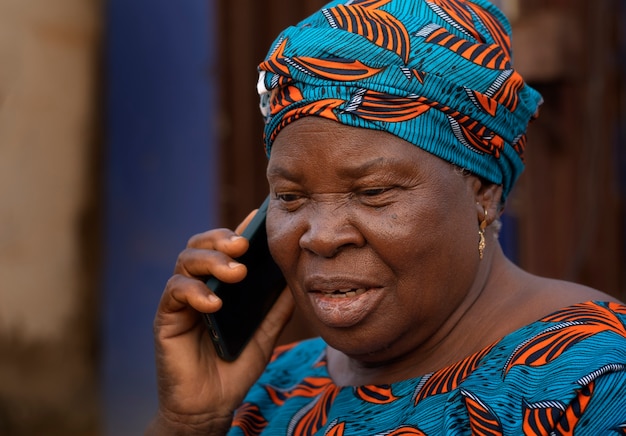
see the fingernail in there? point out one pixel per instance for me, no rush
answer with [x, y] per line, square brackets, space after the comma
[233, 265]
[213, 298]
[235, 237]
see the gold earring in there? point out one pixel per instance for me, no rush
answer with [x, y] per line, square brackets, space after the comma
[481, 235]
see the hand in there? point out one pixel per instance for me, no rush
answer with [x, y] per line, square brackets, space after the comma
[198, 391]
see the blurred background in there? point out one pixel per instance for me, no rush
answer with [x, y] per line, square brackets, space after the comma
[128, 125]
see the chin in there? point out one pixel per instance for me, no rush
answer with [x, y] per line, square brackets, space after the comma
[362, 347]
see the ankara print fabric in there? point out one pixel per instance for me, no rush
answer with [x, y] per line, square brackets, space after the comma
[436, 73]
[564, 374]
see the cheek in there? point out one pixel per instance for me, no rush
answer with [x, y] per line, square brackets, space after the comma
[452, 258]
[427, 246]
[409, 233]
[282, 239]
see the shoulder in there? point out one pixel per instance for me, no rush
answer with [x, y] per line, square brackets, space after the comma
[515, 298]
[569, 363]
[551, 295]
[573, 345]
[576, 362]
[535, 296]
[583, 321]
[567, 293]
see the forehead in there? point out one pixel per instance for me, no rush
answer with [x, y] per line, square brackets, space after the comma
[312, 141]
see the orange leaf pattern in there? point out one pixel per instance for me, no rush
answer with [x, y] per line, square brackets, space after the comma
[482, 420]
[581, 322]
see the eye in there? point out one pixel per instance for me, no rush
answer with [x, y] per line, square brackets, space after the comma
[287, 198]
[376, 197]
[289, 201]
[373, 192]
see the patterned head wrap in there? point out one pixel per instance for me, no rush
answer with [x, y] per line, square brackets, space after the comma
[436, 73]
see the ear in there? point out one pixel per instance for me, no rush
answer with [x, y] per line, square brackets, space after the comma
[488, 199]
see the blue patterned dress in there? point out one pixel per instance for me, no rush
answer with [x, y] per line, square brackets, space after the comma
[564, 374]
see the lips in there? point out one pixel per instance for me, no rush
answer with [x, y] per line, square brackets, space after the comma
[342, 302]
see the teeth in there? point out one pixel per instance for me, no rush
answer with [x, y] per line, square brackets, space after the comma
[346, 293]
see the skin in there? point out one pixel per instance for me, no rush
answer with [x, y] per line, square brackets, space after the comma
[367, 215]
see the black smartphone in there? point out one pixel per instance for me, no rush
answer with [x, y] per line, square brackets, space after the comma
[246, 303]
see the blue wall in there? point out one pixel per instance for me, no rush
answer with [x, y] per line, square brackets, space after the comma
[160, 181]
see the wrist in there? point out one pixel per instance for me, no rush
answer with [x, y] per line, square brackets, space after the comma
[172, 424]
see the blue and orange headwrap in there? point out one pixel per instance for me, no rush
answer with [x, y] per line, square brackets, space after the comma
[436, 73]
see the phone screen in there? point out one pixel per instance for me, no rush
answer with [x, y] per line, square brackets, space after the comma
[246, 303]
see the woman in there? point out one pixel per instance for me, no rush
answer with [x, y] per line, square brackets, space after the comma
[395, 131]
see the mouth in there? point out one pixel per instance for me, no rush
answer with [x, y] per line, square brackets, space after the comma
[338, 286]
[343, 293]
[343, 302]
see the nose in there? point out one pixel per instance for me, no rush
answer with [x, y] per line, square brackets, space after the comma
[330, 228]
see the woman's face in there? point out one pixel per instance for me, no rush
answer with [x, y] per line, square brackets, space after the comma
[376, 237]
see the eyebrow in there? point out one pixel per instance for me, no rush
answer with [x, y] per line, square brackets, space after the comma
[355, 171]
[280, 172]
